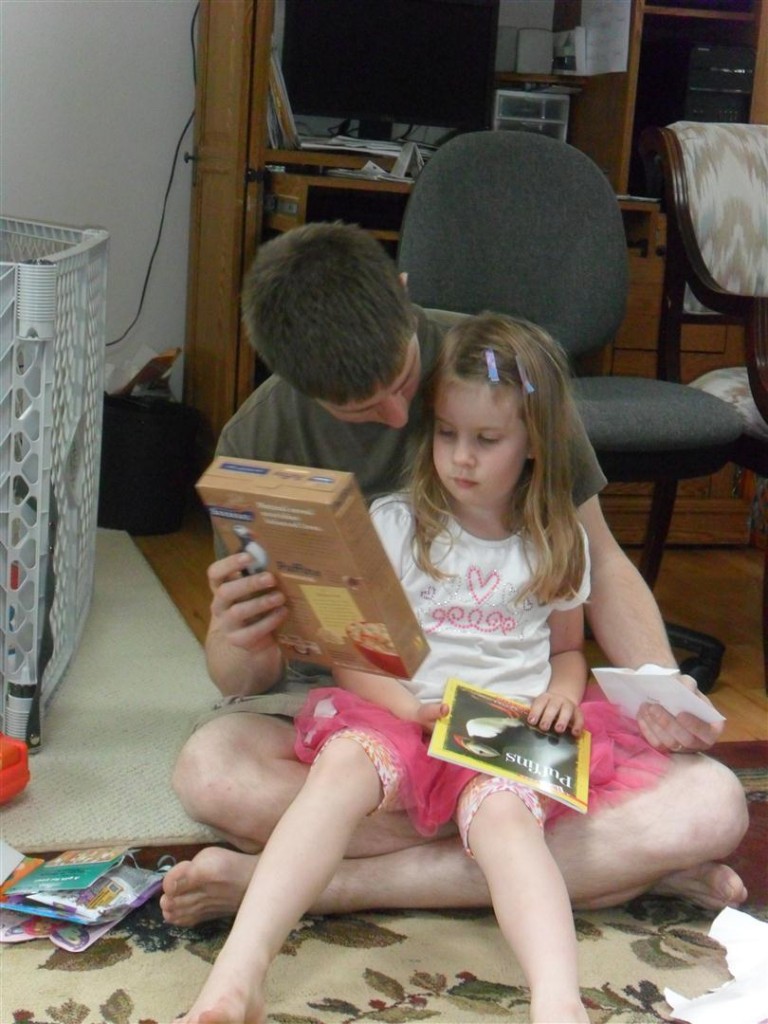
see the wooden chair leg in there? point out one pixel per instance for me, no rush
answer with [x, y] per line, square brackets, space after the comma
[657, 529]
[706, 660]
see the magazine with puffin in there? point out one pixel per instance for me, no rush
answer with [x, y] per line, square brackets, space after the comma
[490, 733]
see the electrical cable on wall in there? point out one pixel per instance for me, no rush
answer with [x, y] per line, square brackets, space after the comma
[156, 246]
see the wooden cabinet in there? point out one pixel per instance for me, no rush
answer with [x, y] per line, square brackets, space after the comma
[610, 111]
[218, 366]
[242, 190]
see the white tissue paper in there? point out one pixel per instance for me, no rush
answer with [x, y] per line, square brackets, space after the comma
[744, 999]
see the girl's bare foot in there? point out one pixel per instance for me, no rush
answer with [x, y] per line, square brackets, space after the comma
[230, 995]
[209, 886]
[711, 885]
[545, 1010]
[225, 1010]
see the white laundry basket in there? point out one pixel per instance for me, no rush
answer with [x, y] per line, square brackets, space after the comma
[52, 337]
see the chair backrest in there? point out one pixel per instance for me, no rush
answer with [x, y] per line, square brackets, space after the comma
[716, 196]
[523, 224]
[721, 188]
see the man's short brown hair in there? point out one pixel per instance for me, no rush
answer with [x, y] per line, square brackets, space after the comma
[325, 309]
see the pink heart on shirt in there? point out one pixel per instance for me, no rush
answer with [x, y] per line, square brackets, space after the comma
[481, 587]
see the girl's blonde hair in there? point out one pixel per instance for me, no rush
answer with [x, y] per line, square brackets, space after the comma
[541, 507]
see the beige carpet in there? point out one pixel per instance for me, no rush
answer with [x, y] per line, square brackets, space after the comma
[117, 721]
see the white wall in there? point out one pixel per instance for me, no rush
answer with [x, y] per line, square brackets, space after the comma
[94, 95]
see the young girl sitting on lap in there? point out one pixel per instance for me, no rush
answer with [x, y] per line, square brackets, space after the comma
[488, 547]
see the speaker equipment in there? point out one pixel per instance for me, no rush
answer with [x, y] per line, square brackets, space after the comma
[719, 83]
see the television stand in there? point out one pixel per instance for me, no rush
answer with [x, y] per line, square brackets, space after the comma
[375, 131]
[298, 188]
[347, 144]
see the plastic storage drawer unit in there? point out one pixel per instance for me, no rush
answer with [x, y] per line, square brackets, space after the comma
[543, 112]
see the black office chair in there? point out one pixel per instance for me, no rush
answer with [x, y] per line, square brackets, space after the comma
[523, 224]
[716, 197]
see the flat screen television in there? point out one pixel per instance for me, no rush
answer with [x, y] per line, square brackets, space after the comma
[385, 62]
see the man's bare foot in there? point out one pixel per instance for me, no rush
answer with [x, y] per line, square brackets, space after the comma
[209, 886]
[711, 885]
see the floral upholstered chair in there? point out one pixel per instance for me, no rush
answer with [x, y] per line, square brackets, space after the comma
[716, 195]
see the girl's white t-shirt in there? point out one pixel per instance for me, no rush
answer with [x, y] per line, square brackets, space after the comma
[478, 629]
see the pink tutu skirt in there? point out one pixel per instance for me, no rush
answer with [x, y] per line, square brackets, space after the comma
[621, 761]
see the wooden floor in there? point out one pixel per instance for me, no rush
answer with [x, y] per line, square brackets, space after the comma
[717, 590]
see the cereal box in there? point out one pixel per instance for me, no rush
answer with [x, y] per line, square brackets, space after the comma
[311, 528]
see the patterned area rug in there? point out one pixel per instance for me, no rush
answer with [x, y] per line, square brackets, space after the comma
[450, 968]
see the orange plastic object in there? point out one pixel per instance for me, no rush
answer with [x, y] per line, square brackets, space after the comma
[14, 767]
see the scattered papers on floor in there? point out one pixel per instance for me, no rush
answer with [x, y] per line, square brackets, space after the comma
[745, 997]
[10, 859]
[74, 898]
[74, 938]
[67, 872]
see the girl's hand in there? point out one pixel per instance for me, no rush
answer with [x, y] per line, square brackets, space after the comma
[553, 711]
[428, 714]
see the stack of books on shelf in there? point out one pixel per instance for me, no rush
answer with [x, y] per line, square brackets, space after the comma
[281, 126]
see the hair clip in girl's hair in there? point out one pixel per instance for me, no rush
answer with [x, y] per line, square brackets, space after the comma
[493, 373]
[528, 388]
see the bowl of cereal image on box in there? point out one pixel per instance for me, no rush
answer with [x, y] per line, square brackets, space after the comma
[373, 641]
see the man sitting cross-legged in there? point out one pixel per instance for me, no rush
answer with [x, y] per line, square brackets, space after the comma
[329, 315]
